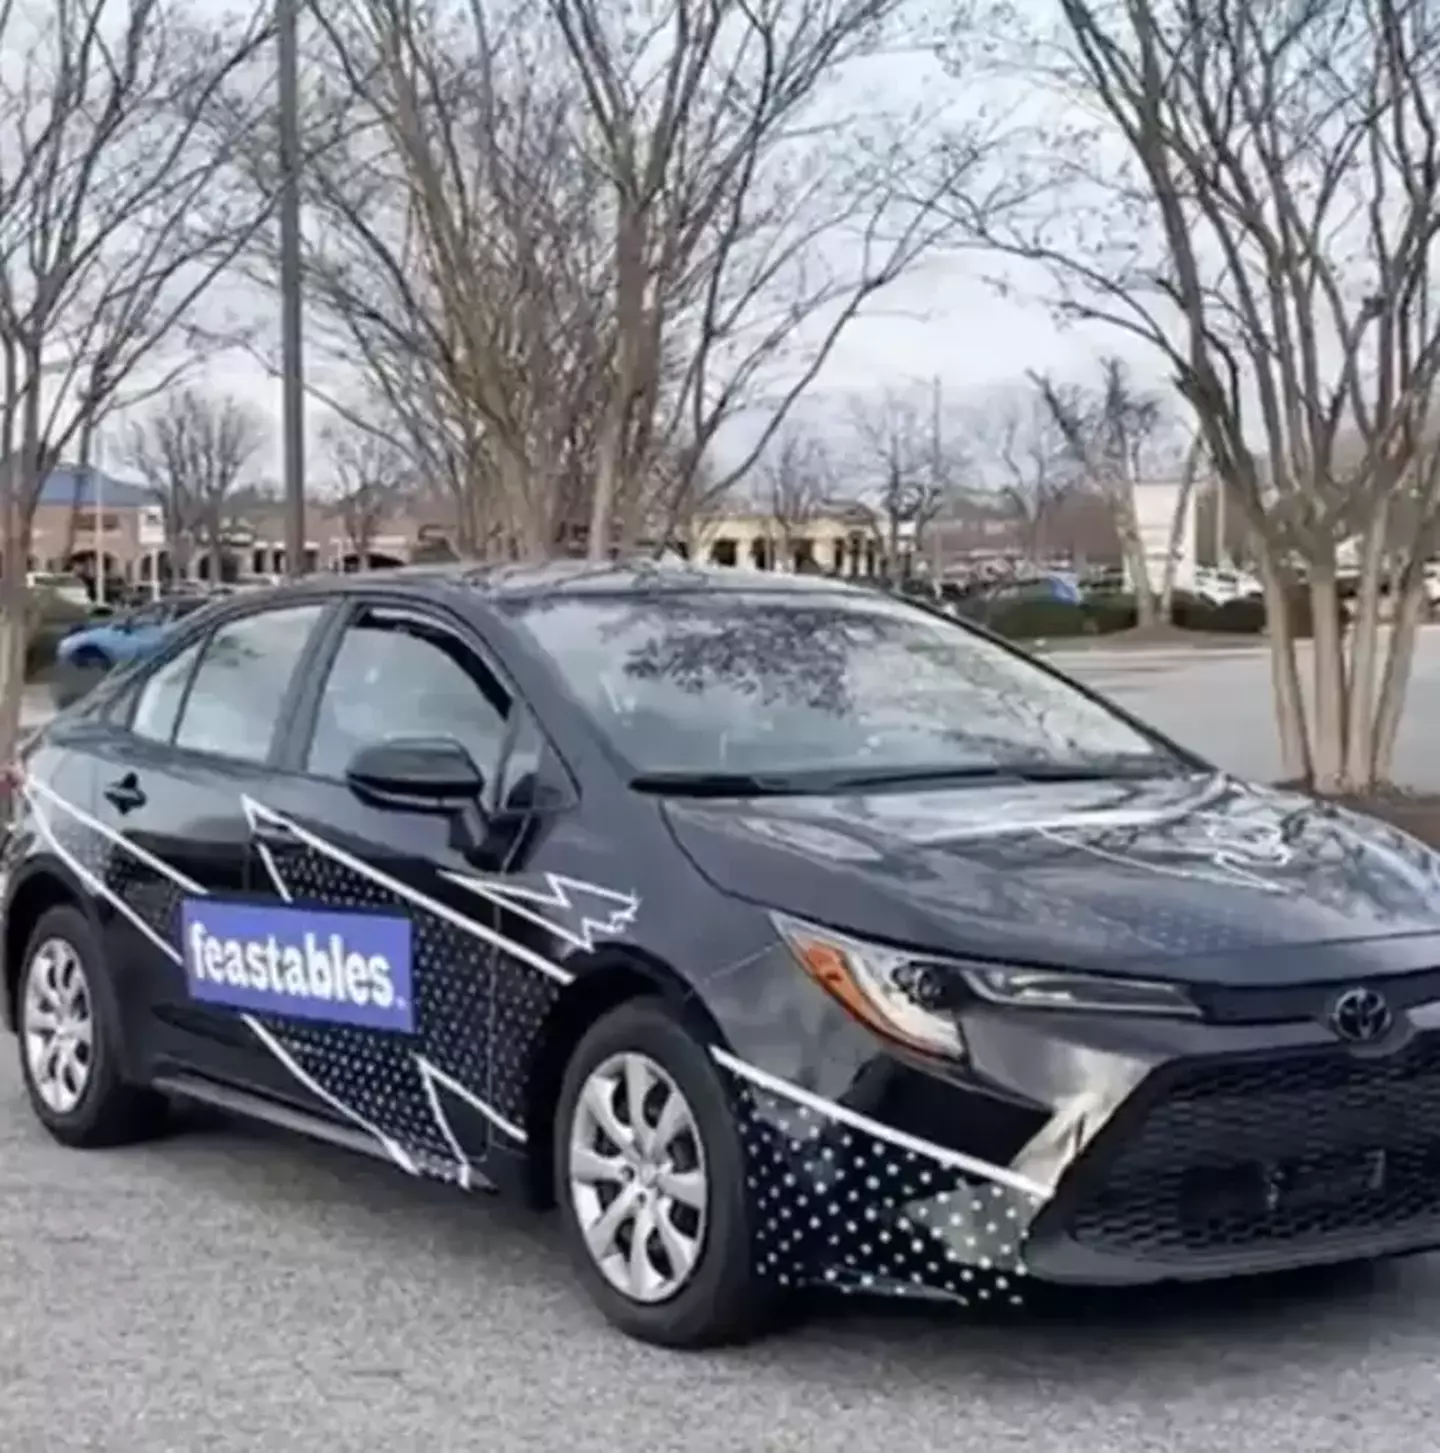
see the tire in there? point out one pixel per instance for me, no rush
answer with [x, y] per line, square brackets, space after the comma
[722, 1300]
[104, 1111]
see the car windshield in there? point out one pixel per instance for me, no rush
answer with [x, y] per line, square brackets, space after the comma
[780, 683]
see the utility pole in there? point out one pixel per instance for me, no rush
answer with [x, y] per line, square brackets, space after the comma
[940, 481]
[292, 320]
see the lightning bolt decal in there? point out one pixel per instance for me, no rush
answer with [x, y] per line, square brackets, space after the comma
[565, 898]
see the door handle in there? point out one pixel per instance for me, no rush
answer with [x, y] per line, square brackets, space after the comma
[126, 794]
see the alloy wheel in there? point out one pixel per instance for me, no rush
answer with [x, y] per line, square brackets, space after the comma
[637, 1177]
[58, 1026]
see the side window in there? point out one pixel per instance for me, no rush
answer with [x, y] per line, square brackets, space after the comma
[398, 676]
[234, 705]
[158, 702]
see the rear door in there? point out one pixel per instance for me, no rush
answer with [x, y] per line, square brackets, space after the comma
[199, 733]
[407, 1058]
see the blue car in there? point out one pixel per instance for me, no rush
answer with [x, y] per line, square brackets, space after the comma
[122, 638]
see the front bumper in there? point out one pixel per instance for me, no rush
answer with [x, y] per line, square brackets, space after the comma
[1105, 1152]
[1248, 1163]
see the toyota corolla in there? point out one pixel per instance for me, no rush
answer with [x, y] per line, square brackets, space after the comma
[783, 933]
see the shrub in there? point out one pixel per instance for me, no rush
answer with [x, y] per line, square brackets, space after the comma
[1030, 620]
[49, 617]
[1111, 610]
[1242, 617]
[40, 649]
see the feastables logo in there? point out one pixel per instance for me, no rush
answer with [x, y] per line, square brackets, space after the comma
[344, 968]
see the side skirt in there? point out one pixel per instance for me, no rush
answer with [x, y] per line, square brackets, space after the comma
[231, 1101]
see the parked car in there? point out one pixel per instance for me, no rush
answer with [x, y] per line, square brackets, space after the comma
[1217, 586]
[69, 588]
[1034, 587]
[781, 931]
[124, 636]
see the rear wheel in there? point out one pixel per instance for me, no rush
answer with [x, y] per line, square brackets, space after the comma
[69, 1039]
[649, 1169]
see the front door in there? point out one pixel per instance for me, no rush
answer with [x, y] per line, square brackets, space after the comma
[413, 1064]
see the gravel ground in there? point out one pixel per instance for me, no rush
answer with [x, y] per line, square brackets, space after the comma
[230, 1289]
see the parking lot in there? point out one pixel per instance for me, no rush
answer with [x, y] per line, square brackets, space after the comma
[1219, 703]
[231, 1289]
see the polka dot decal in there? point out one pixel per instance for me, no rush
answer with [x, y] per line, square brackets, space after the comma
[375, 1073]
[840, 1207]
[521, 1003]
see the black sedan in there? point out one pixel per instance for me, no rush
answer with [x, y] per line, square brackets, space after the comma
[783, 933]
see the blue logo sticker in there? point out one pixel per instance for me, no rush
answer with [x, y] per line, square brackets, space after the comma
[345, 968]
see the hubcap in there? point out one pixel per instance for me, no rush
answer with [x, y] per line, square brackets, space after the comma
[637, 1177]
[58, 1026]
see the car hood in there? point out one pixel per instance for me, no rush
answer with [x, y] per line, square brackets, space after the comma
[1203, 878]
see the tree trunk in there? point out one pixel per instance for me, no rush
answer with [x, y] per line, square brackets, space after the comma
[1330, 716]
[1359, 763]
[1295, 757]
[1176, 543]
[1132, 551]
[1395, 678]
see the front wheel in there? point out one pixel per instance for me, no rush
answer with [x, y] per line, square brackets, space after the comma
[649, 1170]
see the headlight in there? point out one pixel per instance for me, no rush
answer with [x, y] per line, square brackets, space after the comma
[1044, 989]
[915, 999]
[887, 989]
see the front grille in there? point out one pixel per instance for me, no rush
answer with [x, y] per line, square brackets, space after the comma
[1302, 1149]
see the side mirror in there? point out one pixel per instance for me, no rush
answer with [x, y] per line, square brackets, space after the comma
[434, 774]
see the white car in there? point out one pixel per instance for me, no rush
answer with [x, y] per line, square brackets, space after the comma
[1218, 585]
[69, 588]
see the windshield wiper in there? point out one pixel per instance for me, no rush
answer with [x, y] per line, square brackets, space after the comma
[1100, 771]
[719, 784]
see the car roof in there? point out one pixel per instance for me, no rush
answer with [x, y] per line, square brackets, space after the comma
[514, 582]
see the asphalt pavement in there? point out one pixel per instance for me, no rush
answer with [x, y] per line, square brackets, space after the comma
[230, 1288]
[1220, 703]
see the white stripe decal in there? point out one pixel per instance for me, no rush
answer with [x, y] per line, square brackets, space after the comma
[393, 1148]
[433, 1076]
[400, 890]
[119, 839]
[276, 881]
[954, 1159]
[93, 883]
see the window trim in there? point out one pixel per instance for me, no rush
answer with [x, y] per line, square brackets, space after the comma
[301, 729]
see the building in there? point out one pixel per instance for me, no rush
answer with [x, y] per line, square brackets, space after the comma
[842, 538]
[83, 515]
[89, 516]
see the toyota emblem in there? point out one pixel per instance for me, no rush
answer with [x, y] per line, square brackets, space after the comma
[1361, 1016]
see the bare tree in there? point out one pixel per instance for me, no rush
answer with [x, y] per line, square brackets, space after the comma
[796, 481]
[111, 227]
[1024, 459]
[902, 447]
[1268, 227]
[455, 253]
[371, 473]
[1110, 433]
[194, 451]
[720, 218]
